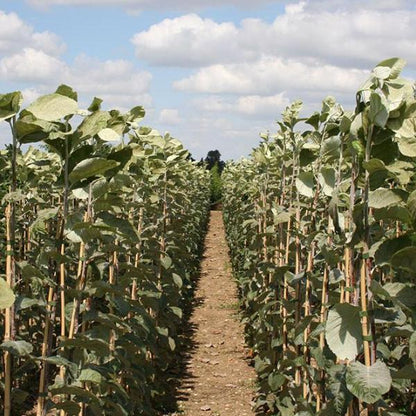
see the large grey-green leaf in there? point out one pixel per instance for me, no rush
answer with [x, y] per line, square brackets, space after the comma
[53, 107]
[305, 183]
[379, 110]
[90, 375]
[91, 167]
[407, 145]
[10, 104]
[327, 179]
[109, 135]
[402, 292]
[6, 295]
[29, 131]
[330, 148]
[368, 383]
[94, 123]
[405, 259]
[412, 347]
[394, 64]
[42, 217]
[387, 248]
[374, 165]
[19, 348]
[337, 386]
[381, 198]
[343, 331]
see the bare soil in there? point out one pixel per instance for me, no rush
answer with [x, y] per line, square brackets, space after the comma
[216, 379]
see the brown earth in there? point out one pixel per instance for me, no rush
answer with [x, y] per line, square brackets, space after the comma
[217, 379]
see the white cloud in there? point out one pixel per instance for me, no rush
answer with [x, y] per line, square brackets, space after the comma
[170, 116]
[270, 76]
[31, 65]
[15, 34]
[260, 107]
[118, 82]
[358, 36]
[187, 41]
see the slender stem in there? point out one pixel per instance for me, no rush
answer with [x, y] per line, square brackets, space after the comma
[364, 268]
[8, 315]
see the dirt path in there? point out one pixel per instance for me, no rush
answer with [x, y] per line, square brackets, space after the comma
[218, 381]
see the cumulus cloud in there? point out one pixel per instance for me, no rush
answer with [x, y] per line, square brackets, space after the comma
[357, 36]
[31, 65]
[15, 34]
[257, 106]
[118, 82]
[187, 41]
[271, 75]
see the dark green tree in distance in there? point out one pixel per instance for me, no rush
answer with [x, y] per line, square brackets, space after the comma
[215, 165]
[214, 158]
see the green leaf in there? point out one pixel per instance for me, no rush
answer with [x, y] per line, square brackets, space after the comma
[411, 205]
[93, 124]
[412, 347]
[166, 262]
[330, 148]
[340, 395]
[368, 383]
[405, 259]
[374, 165]
[407, 145]
[282, 217]
[7, 297]
[136, 114]
[305, 184]
[393, 213]
[177, 311]
[343, 331]
[109, 135]
[327, 179]
[25, 303]
[95, 105]
[395, 65]
[275, 381]
[29, 131]
[382, 198]
[67, 91]
[90, 375]
[10, 104]
[402, 292]
[379, 111]
[91, 167]
[42, 217]
[172, 343]
[388, 248]
[408, 372]
[53, 107]
[19, 348]
[71, 408]
[177, 280]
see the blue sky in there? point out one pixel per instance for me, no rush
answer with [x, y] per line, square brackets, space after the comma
[213, 73]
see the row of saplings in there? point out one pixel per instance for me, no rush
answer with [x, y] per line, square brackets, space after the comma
[100, 239]
[321, 224]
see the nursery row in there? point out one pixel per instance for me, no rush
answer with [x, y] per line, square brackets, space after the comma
[100, 241]
[321, 224]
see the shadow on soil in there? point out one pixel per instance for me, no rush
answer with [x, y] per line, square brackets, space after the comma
[180, 374]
